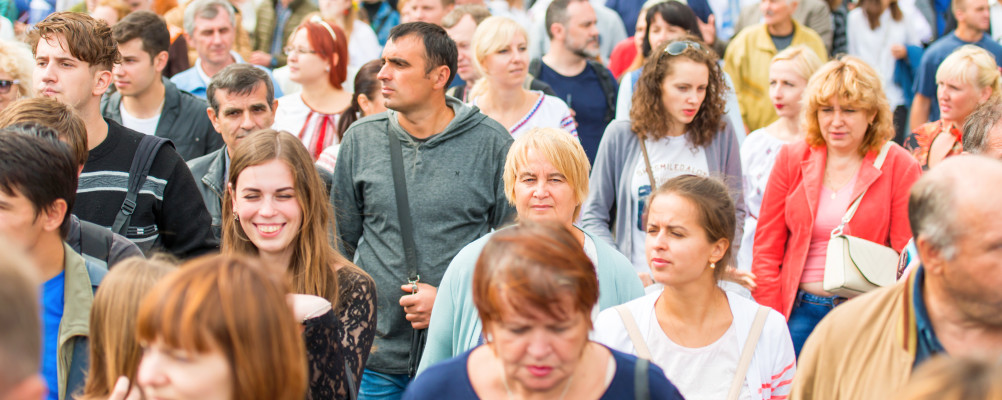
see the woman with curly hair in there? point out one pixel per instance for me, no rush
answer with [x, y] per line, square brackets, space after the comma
[676, 127]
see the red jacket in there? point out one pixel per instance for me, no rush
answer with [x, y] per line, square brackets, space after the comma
[789, 207]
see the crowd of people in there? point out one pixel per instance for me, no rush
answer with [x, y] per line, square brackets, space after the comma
[549, 199]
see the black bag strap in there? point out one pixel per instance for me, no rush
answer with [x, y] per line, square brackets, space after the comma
[418, 337]
[641, 383]
[95, 241]
[142, 161]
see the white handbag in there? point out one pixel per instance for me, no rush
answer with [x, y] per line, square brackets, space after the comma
[854, 266]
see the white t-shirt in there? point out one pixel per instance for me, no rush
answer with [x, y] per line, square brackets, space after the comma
[698, 373]
[146, 126]
[874, 46]
[548, 112]
[758, 154]
[670, 157]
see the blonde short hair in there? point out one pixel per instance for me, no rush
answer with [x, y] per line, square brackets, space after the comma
[958, 65]
[855, 83]
[560, 149]
[16, 60]
[491, 35]
[805, 61]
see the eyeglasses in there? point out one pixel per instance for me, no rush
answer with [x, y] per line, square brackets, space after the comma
[676, 48]
[289, 50]
[6, 85]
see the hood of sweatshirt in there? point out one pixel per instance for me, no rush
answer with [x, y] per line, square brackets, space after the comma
[466, 118]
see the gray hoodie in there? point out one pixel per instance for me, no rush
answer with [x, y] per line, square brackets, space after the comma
[456, 195]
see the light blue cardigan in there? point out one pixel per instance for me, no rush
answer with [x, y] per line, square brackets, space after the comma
[617, 158]
[455, 324]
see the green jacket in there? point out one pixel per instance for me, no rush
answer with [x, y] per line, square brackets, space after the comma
[266, 21]
[73, 355]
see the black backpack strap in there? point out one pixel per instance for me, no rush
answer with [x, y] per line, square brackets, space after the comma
[535, 66]
[641, 384]
[95, 241]
[608, 84]
[140, 169]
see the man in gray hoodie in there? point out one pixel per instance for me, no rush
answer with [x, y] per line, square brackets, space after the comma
[452, 157]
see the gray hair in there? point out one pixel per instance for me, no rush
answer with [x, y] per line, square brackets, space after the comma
[238, 79]
[931, 214]
[206, 9]
[979, 124]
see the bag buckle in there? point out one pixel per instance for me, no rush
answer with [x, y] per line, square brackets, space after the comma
[414, 283]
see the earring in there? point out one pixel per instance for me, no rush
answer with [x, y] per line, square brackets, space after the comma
[713, 265]
[489, 338]
[327, 69]
[235, 216]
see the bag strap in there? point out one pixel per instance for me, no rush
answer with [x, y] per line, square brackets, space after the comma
[746, 353]
[647, 163]
[641, 379]
[879, 162]
[142, 161]
[634, 331]
[96, 241]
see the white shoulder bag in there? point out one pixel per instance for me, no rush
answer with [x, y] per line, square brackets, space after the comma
[854, 266]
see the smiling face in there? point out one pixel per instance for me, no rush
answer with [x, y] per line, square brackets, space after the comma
[60, 75]
[958, 99]
[168, 373]
[539, 352]
[507, 67]
[462, 33]
[543, 193]
[264, 200]
[306, 66]
[138, 70]
[785, 88]
[678, 251]
[684, 89]
[843, 126]
[241, 114]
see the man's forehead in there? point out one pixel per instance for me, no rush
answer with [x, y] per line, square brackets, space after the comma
[54, 45]
[221, 20]
[254, 97]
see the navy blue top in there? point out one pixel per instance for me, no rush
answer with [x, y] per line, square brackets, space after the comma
[450, 380]
[927, 344]
[925, 77]
[582, 93]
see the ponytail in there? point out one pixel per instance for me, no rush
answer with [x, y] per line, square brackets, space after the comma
[366, 83]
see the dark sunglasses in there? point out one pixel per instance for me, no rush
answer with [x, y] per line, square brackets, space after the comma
[677, 48]
[6, 85]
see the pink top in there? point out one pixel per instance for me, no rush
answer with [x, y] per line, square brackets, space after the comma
[831, 208]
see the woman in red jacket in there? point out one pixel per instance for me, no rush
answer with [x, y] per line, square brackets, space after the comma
[813, 183]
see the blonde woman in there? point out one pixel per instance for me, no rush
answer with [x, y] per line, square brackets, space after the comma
[966, 78]
[16, 64]
[501, 55]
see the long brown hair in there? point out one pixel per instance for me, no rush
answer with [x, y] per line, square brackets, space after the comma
[873, 9]
[312, 268]
[114, 350]
[648, 110]
[234, 305]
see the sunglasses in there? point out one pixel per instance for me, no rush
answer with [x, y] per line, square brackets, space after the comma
[6, 85]
[677, 48]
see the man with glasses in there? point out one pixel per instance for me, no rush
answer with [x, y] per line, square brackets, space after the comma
[148, 103]
[210, 25]
[750, 53]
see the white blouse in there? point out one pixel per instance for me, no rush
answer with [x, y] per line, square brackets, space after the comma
[316, 129]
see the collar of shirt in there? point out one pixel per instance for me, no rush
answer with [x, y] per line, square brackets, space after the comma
[927, 344]
[205, 77]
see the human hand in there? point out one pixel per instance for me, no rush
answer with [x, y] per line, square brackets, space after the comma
[124, 391]
[418, 305]
[898, 51]
[743, 278]
[260, 58]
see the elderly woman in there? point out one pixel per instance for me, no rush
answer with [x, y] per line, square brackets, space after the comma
[16, 64]
[501, 55]
[813, 183]
[967, 77]
[677, 127]
[546, 179]
[318, 62]
[534, 288]
[692, 328]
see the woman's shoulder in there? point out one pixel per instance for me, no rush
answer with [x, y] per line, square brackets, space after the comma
[354, 284]
[744, 311]
[448, 379]
[624, 381]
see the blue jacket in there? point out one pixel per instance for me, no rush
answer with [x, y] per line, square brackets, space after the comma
[190, 80]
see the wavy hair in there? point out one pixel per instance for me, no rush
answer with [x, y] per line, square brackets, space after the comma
[648, 114]
[854, 83]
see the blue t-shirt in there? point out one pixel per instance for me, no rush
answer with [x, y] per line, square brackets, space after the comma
[450, 380]
[53, 295]
[925, 77]
[582, 93]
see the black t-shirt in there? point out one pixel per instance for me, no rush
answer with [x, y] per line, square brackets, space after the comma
[583, 94]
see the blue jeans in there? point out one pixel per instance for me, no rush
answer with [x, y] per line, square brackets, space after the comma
[380, 386]
[808, 310]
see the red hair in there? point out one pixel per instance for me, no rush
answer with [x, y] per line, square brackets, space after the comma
[327, 47]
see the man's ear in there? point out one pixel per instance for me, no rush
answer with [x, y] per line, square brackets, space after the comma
[213, 118]
[556, 30]
[440, 75]
[53, 215]
[931, 257]
[160, 61]
[102, 80]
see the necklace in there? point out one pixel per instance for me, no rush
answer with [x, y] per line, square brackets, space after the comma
[504, 380]
[830, 183]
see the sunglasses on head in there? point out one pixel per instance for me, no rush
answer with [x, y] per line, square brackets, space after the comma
[676, 48]
[6, 85]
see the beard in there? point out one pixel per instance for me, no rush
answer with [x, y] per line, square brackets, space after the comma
[583, 51]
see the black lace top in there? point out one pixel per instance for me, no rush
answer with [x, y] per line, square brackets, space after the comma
[341, 337]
